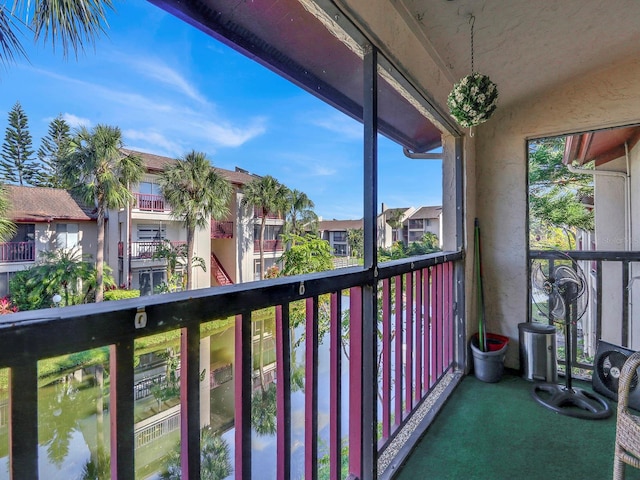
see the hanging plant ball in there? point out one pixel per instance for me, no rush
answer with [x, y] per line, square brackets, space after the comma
[473, 100]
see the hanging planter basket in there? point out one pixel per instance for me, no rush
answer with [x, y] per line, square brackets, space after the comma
[473, 100]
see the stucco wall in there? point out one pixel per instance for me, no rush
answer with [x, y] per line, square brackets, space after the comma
[604, 98]
[634, 164]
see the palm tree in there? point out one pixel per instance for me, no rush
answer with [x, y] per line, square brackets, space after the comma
[268, 196]
[7, 227]
[101, 175]
[394, 220]
[197, 193]
[70, 23]
[300, 217]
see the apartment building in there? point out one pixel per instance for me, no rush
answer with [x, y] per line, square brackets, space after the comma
[423, 220]
[46, 219]
[407, 225]
[336, 233]
[229, 247]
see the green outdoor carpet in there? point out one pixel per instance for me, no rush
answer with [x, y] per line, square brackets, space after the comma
[497, 431]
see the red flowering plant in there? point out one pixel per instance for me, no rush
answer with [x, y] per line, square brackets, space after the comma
[6, 306]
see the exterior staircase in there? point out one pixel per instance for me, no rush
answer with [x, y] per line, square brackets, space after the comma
[222, 277]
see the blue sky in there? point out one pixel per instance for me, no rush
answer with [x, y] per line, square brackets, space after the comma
[171, 89]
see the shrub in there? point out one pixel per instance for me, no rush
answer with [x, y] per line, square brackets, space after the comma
[120, 294]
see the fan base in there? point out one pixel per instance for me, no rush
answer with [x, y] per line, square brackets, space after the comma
[573, 402]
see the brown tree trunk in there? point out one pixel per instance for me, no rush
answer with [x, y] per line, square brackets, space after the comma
[100, 256]
[191, 231]
[262, 225]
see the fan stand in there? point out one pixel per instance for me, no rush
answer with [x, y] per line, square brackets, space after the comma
[566, 400]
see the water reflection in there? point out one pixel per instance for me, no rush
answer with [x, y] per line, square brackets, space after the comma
[215, 458]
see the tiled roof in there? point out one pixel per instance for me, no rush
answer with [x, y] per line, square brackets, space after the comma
[156, 164]
[340, 225]
[427, 212]
[38, 204]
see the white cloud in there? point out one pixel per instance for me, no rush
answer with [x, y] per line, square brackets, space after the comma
[164, 118]
[322, 171]
[75, 121]
[160, 71]
[158, 143]
[231, 136]
[339, 123]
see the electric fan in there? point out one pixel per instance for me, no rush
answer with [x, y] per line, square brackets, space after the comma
[559, 292]
[607, 366]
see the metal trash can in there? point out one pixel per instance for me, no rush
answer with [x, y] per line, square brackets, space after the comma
[538, 352]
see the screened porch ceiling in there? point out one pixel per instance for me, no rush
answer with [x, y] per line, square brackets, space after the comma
[525, 47]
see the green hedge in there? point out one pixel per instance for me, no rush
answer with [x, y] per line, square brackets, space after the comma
[120, 294]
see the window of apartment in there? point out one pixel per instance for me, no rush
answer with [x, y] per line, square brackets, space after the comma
[149, 188]
[269, 262]
[271, 232]
[150, 279]
[415, 224]
[67, 235]
[25, 232]
[339, 236]
[150, 233]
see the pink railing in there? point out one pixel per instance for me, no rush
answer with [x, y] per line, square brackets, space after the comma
[417, 345]
[258, 212]
[269, 245]
[221, 229]
[17, 252]
[149, 202]
[415, 350]
[338, 313]
[221, 275]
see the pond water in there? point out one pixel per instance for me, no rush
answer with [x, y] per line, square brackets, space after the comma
[74, 423]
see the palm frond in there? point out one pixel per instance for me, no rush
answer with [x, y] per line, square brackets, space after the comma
[72, 23]
[10, 46]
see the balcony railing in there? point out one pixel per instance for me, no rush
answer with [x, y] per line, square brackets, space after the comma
[607, 304]
[145, 250]
[17, 252]
[149, 202]
[258, 212]
[269, 245]
[221, 229]
[412, 350]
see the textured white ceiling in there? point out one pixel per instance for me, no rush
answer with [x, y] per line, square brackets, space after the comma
[526, 46]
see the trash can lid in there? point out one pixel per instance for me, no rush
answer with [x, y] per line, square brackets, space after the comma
[536, 327]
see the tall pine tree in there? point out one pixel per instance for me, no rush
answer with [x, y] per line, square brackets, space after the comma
[17, 164]
[52, 152]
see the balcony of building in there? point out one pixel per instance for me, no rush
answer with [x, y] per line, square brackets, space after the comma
[147, 249]
[425, 285]
[148, 205]
[259, 213]
[408, 321]
[433, 422]
[12, 252]
[221, 229]
[268, 245]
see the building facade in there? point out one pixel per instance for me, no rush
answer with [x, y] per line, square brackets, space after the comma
[46, 219]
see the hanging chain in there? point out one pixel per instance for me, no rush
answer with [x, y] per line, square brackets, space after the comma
[472, 21]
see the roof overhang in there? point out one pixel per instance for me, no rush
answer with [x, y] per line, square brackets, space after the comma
[601, 146]
[319, 50]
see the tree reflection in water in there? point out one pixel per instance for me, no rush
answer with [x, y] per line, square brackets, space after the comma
[58, 420]
[215, 458]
